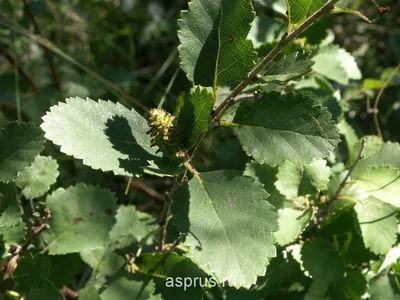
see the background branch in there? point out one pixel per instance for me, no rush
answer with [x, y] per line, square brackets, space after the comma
[46, 51]
[20, 70]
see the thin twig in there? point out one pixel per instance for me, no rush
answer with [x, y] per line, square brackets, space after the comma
[20, 70]
[165, 216]
[230, 100]
[46, 51]
[285, 40]
[378, 98]
[40, 225]
[70, 293]
[139, 184]
[118, 92]
[351, 169]
[164, 220]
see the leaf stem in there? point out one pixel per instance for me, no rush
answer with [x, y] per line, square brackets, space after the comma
[285, 40]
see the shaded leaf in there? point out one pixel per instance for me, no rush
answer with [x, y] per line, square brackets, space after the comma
[376, 154]
[131, 226]
[229, 216]
[292, 223]
[317, 290]
[195, 116]
[14, 234]
[266, 30]
[82, 217]
[336, 64]
[10, 206]
[64, 269]
[349, 134]
[297, 11]
[23, 272]
[353, 286]
[381, 182]
[300, 180]
[46, 291]
[79, 125]
[322, 261]
[126, 287]
[378, 224]
[168, 271]
[214, 49]
[288, 68]
[36, 179]
[19, 145]
[280, 127]
[263, 174]
[383, 287]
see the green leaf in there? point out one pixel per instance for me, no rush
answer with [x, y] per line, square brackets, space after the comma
[300, 180]
[82, 217]
[131, 226]
[336, 64]
[14, 234]
[288, 68]
[105, 264]
[322, 261]
[381, 182]
[46, 291]
[195, 116]
[383, 288]
[89, 293]
[79, 126]
[64, 269]
[317, 290]
[228, 221]
[167, 269]
[10, 206]
[349, 134]
[266, 30]
[297, 11]
[378, 224]
[281, 127]
[376, 154]
[292, 223]
[214, 50]
[372, 145]
[127, 288]
[19, 145]
[263, 174]
[23, 273]
[36, 179]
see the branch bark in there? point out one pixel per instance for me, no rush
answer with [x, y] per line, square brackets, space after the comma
[20, 70]
[285, 40]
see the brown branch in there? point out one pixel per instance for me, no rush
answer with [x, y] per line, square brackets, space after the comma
[40, 225]
[69, 292]
[230, 100]
[378, 98]
[165, 218]
[139, 184]
[20, 70]
[46, 51]
[285, 40]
